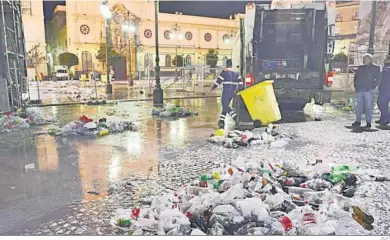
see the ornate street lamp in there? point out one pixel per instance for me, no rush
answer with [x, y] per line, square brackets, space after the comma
[129, 28]
[158, 96]
[107, 15]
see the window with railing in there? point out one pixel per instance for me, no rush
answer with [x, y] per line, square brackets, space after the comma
[339, 18]
[355, 16]
[26, 7]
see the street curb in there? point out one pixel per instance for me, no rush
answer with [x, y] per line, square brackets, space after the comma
[116, 101]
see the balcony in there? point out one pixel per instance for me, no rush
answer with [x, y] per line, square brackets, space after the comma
[339, 19]
[355, 17]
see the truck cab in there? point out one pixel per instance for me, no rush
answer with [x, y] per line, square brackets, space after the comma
[290, 44]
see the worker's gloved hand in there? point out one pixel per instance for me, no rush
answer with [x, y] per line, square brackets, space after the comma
[213, 87]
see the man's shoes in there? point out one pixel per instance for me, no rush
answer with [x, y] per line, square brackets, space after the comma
[384, 123]
[378, 121]
[368, 126]
[356, 124]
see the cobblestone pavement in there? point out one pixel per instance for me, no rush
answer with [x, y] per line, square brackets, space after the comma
[127, 169]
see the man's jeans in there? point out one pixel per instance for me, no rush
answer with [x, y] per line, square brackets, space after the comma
[383, 105]
[368, 98]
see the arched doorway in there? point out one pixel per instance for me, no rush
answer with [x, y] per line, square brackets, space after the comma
[188, 60]
[86, 61]
[168, 60]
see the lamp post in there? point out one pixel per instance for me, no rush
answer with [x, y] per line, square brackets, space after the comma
[372, 28]
[176, 35]
[158, 96]
[129, 28]
[105, 11]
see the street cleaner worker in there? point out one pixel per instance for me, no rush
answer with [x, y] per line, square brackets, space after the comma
[230, 81]
[384, 94]
[365, 81]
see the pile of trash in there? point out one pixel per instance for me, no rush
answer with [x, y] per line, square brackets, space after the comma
[87, 127]
[253, 199]
[10, 122]
[21, 119]
[349, 105]
[171, 110]
[236, 138]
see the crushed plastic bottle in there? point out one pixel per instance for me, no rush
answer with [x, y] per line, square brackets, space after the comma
[308, 216]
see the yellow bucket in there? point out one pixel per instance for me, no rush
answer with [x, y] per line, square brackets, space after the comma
[261, 102]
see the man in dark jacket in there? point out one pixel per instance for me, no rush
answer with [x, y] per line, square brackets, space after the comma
[365, 81]
[230, 81]
[384, 93]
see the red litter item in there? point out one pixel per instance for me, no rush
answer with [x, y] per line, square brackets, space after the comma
[203, 184]
[135, 212]
[286, 222]
[85, 119]
[188, 214]
[230, 171]
[304, 185]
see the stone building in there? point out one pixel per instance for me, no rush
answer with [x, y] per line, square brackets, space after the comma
[79, 28]
[347, 21]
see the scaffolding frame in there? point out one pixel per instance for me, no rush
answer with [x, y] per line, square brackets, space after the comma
[357, 56]
[13, 70]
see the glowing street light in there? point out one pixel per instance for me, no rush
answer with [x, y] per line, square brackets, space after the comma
[107, 15]
[129, 28]
[105, 11]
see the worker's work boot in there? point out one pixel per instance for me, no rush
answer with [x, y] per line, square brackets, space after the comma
[234, 116]
[221, 124]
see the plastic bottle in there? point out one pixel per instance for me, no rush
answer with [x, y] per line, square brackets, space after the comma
[316, 196]
[363, 215]
[288, 206]
[291, 181]
[286, 223]
[298, 190]
[205, 177]
[103, 132]
[308, 216]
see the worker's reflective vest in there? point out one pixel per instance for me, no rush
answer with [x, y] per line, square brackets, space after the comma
[230, 81]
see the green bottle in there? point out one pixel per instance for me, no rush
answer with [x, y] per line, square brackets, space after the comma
[205, 178]
[52, 131]
[336, 177]
[124, 223]
[217, 183]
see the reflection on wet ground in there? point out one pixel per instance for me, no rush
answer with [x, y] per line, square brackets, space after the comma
[66, 169]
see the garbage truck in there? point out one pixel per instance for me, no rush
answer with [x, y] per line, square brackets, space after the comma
[290, 43]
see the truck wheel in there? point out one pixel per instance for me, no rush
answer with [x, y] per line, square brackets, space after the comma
[257, 123]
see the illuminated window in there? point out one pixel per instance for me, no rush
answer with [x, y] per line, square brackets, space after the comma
[188, 60]
[168, 60]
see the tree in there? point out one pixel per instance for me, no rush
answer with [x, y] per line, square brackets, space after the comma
[180, 61]
[68, 59]
[212, 57]
[34, 58]
[340, 57]
[101, 55]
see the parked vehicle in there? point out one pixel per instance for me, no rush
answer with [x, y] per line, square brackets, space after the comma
[61, 73]
[290, 44]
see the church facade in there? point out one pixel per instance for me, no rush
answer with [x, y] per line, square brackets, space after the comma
[79, 28]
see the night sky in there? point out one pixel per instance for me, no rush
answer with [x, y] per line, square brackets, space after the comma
[219, 9]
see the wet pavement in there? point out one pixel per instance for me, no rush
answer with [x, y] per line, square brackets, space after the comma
[53, 198]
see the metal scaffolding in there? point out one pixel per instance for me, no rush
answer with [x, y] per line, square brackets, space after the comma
[13, 73]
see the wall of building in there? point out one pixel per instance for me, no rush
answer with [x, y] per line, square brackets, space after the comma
[34, 30]
[86, 30]
[347, 14]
